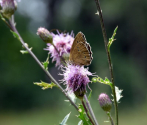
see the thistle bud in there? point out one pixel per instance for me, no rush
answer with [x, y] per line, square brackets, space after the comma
[80, 93]
[105, 102]
[45, 35]
[7, 8]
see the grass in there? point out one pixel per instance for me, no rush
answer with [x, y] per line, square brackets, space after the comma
[53, 116]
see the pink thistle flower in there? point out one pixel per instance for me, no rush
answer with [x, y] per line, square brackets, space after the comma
[63, 43]
[76, 78]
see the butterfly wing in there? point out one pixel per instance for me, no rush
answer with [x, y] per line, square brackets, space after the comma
[81, 55]
[80, 37]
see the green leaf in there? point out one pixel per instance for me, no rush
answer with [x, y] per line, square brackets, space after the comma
[65, 119]
[45, 85]
[104, 81]
[46, 63]
[25, 51]
[112, 39]
[80, 122]
[15, 34]
[82, 115]
[94, 79]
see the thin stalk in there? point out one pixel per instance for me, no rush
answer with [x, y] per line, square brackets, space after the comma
[40, 64]
[109, 59]
[110, 118]
[90, 110]
[87, 112]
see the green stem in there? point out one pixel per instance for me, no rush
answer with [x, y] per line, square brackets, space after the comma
[110, 118]
[109, 59]
[11, 21]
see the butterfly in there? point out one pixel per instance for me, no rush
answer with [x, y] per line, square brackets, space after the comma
[80, 53]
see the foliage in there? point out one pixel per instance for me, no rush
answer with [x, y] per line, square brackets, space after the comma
[112, 39]
[46, 63]
[45, 85]
[82, 116]
[65, 119]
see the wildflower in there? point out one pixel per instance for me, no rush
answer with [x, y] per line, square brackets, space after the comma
[45, 35]
[76, 79]
[105, 102]
[8, 8]
[63, 43]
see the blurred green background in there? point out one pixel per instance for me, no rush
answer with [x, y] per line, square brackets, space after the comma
[23, 103]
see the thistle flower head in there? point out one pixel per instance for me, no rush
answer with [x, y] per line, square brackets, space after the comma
[8, 8]
[76, 79]
[63, 43]
[105, 102]
[45, 35]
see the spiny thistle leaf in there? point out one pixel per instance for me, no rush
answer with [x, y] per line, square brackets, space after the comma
[118, 94]
[80, 122]
[112, 39]
[15, 34]
[65, 119]
[100, 80]
[45, 85]
[25, 51]
[94, 79]
[46, 63]
[82, 116]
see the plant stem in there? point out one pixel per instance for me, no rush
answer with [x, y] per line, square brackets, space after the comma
[110, 118]
[87, 112]
[40, 64]
[109, 59]
[90, 110]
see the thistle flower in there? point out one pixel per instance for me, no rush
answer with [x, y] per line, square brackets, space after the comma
[45, 35]
[105, 102]
[63, 43]
[8, 8]
[76, 79]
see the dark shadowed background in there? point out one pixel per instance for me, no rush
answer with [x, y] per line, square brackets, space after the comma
[23, 103]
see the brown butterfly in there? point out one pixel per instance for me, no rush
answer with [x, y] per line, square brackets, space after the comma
[80, 53]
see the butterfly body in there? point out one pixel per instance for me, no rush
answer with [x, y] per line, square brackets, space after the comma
[80, 53]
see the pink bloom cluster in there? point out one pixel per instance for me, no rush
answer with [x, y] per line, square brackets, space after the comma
[76, 78]
[63, 43]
